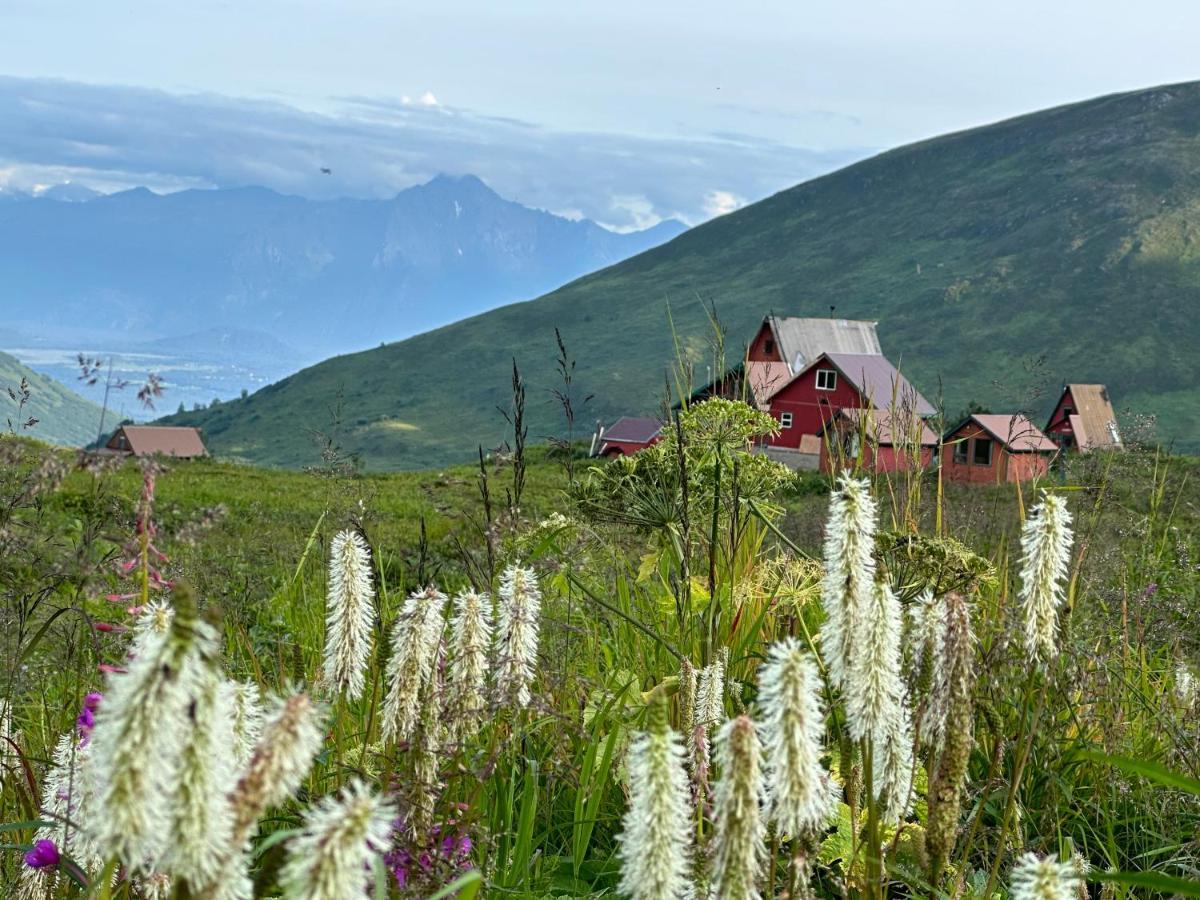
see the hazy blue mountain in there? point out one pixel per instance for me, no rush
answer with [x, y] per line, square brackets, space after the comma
[320, 275]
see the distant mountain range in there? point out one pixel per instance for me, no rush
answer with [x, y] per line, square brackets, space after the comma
[999, 262]
[324, 276]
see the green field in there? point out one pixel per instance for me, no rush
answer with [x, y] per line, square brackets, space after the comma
[636, 572]
[999, 262]
[62, 416]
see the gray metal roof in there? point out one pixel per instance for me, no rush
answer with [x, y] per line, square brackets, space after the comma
[633, 430]
[802, 340]
[881, 382]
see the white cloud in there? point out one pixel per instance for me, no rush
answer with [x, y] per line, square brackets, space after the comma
[111, 138]
[718, 203]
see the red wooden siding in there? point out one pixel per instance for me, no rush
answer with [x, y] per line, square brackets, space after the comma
[811, 409]
[1059, 430]
[764, 347]
[1005, 466]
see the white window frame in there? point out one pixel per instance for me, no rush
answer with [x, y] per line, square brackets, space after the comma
[826, 379]
[785, 420]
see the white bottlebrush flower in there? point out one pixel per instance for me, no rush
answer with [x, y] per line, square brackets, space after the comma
[291, 736]
[331, 857]
[152, 623]
[1185, 686]
[710, 693]
[470, 641]
[1046, 552]
[349, 614]
[893, 765]
[517, 635]
[136, 743]
[245, 704]
[848, 587]
[802, 794]
[654, 846]
[739, 834]
[65, 794]
[873, 687]
[202, 827]
[1034, 878]
[953, 666]
[416, 636]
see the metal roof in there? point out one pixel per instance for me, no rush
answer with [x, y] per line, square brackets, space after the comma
[1012, 430]
[632, 430]
[802, 340]
[882, 425]
[1095, 412]
[880, 382]
[151, 440]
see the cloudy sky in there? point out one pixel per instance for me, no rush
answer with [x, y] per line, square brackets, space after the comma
[625, 111]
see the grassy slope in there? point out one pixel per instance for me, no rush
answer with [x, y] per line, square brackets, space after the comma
[1065, 236]
[63, 416]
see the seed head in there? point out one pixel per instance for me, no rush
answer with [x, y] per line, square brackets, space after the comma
[655, 842]
[416, 636]
[802, 794]
[331, 857]
[1034, 878]
[517, 635]
[470, 640]
[1046, 546]
[848, 588]
[739, 847]
[350, 612]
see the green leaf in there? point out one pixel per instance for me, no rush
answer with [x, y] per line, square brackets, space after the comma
[1166, 884]
[465, 887]
[1150, 770]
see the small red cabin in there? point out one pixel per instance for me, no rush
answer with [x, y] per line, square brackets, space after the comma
[990, 449]
[629, 435]
[1083, 420]
[835, 381]
[877, 441]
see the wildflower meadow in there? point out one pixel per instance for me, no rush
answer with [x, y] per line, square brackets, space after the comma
[686, 673]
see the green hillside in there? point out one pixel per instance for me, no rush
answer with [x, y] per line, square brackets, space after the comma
[1062, 245]
[63, 417]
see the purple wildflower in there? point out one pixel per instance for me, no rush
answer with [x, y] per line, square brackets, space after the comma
[43, 855]
[87, 716]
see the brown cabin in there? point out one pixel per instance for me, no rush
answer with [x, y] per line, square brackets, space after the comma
[991, 448]
[157, 440]
[1083, 420]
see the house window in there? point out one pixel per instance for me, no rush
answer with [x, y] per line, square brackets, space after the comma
[826, 379]
[982, 454]
[768, 346]
[785, 420]
[960, 452]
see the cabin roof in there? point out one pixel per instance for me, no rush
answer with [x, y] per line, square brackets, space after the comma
[167, 440]
[1013, 430]
[766, 379]
[802, 340]
[633, 430]
[1097, 423]
[879, 381]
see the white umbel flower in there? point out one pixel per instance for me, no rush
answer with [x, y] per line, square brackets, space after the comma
[349, 614]
[416, 637]
[739, 845]
[1034, 878]
[470, 640]
[202, 826]
[1046, 547]
[654, 846]
[517, 635]
[331, 857]
[139, 733]
[803, 796]
[848, 588]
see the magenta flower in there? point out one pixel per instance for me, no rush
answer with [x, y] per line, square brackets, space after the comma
[87, 716]
[43, 855]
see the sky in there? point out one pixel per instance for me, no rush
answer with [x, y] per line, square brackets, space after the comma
[621, 111]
